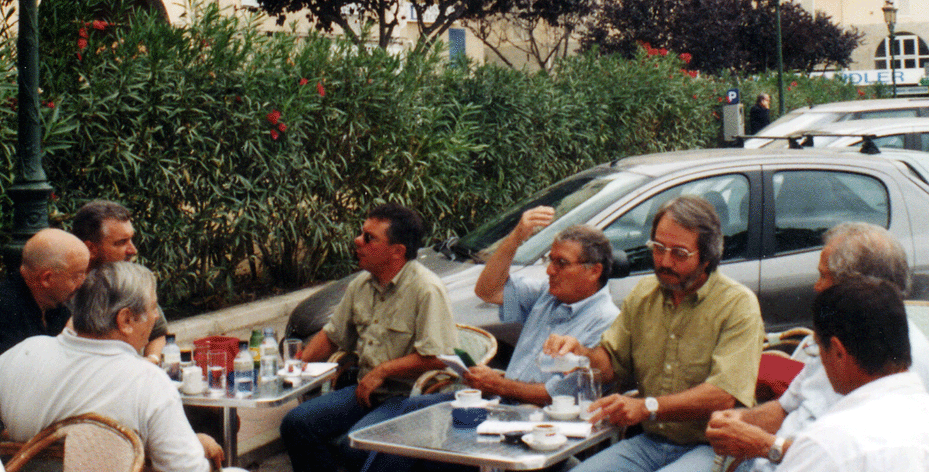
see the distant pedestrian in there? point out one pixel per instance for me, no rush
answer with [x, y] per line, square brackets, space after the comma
[759, 116]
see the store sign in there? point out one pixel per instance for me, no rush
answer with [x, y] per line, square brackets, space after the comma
[876, 76]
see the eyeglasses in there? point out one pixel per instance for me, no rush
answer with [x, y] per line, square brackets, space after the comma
[679, 254]
[561, 264]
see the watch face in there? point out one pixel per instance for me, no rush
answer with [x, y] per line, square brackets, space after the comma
[651, 404]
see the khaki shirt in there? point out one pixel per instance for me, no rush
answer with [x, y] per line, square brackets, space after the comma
[381, 323]
[713, 337]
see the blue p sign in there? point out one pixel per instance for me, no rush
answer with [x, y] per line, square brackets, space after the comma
[732, 96]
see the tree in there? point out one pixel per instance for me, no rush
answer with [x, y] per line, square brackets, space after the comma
[540, 29]
[737, 35]
[357, 17]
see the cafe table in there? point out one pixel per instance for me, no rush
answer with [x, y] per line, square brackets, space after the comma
[428, 434]
[230, 405]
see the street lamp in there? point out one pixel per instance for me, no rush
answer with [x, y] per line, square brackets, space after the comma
[890, 17]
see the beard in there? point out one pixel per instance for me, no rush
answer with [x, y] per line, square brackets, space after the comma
[685, 282]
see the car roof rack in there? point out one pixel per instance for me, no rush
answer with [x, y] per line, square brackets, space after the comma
[794, 142]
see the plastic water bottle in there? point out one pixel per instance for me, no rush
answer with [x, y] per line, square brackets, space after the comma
[268, 349]
[269, 383]
[565, 363]
[171, 358]
[244, 372]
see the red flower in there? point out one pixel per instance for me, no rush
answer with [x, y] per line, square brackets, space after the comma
[695, 96]
[320, 89]
[273, 117]
[653, 52]
[645, 45]
[303, 81]
[663, 52]
[719, 99]
[79, 57]
[861, 92]
[274, 135]
[793, 84]
[692, 73]
[99, 25]
[81, 44]
[282, 127]
[686, 57]
[53, 197]
[50, 104]
[82, 32]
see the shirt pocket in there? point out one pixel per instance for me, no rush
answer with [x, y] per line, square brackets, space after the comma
[398, 337]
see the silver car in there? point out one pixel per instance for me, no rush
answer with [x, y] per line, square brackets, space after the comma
[774, 206]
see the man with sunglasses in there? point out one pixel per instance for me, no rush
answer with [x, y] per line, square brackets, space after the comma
[396, 317]
[689, 339]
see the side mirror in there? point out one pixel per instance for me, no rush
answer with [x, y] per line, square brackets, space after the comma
[620, 267]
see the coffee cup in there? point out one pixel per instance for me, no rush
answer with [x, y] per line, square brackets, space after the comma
[468, 397]
[562, 403]
[193, 383]
[545, 433]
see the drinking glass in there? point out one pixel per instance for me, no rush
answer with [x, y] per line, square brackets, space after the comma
[588, 391]
[293, 365]
[216, 372]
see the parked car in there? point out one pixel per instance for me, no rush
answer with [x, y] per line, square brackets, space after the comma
[818, 115]
[889, 133]
[774, 206]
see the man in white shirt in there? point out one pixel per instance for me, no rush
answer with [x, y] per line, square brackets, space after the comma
[882, 422]
[96, 368]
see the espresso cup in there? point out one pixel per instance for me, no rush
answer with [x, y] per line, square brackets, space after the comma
[562, 403]
[468, 397]
[544, 433]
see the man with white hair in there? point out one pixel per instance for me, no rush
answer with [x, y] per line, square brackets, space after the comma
[96, 368]
[32, 299]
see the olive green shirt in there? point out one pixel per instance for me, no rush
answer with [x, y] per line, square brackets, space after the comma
[381, 323]
[713, 337]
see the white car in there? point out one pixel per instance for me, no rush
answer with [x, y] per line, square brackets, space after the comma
[815, 116]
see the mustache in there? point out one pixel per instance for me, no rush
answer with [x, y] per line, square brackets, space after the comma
[665, 270]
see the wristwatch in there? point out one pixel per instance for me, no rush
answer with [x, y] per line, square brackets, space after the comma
[651, 404]
[776, 453]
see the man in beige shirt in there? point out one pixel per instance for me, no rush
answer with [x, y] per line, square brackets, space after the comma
[396, 317]
[689, 339]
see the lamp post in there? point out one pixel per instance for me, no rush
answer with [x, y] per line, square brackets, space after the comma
[890, 17]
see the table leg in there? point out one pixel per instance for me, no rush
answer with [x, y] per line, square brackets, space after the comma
[230, 440]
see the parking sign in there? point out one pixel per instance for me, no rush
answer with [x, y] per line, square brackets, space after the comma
[733, 97]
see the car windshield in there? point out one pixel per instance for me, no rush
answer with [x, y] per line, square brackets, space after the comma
[576, 200]
[792, 122]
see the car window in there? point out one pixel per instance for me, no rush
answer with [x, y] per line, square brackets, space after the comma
[890, 142]
[728, 193]
[807, 203]
[903, 113]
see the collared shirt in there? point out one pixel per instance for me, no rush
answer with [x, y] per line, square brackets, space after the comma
[20, 316]
[527, 301]
[48, 379]
[381, 323]
[714, 336]
[810, 395]
[880, 426]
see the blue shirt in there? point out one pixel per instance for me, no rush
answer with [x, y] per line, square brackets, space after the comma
[528, 301]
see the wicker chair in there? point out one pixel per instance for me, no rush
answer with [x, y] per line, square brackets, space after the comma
[92, 443]
[479, 344]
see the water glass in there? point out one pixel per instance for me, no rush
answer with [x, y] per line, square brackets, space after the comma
[216, 372]
[588, 391]
[293, 365]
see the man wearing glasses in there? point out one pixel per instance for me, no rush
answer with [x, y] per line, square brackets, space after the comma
[688, 338]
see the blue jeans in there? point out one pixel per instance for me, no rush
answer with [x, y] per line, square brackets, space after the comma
[644, 454]
[308, 429]
[381, 462]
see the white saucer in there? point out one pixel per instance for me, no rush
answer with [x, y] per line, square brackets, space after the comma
[559, 441]
[565, 415]
[481, 404]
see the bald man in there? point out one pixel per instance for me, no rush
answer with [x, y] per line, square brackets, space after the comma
[32, 300]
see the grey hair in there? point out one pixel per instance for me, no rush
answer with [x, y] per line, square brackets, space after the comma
[865, 249]
[595, 247]
[107, 290]
[698, 215]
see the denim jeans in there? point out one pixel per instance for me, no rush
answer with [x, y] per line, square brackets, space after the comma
[308, 430]
[381, 462]
[642, 453]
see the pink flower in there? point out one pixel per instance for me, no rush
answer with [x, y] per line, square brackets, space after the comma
[282, 127]
[274, 135]
[273, 117]
[686, 57]
[99, 25]
[82, 32]
[320, 89]
[303, 81]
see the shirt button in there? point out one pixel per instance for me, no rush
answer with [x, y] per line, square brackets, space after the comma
[672, 336]
[667, 367]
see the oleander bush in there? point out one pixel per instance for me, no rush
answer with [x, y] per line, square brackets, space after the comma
[249, 159]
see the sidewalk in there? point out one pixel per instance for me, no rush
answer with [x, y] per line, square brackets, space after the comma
[260, 448]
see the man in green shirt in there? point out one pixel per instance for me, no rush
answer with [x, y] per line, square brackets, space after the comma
[396, 317]
[689, 339]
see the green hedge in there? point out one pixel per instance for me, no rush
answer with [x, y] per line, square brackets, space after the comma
[249, 159]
